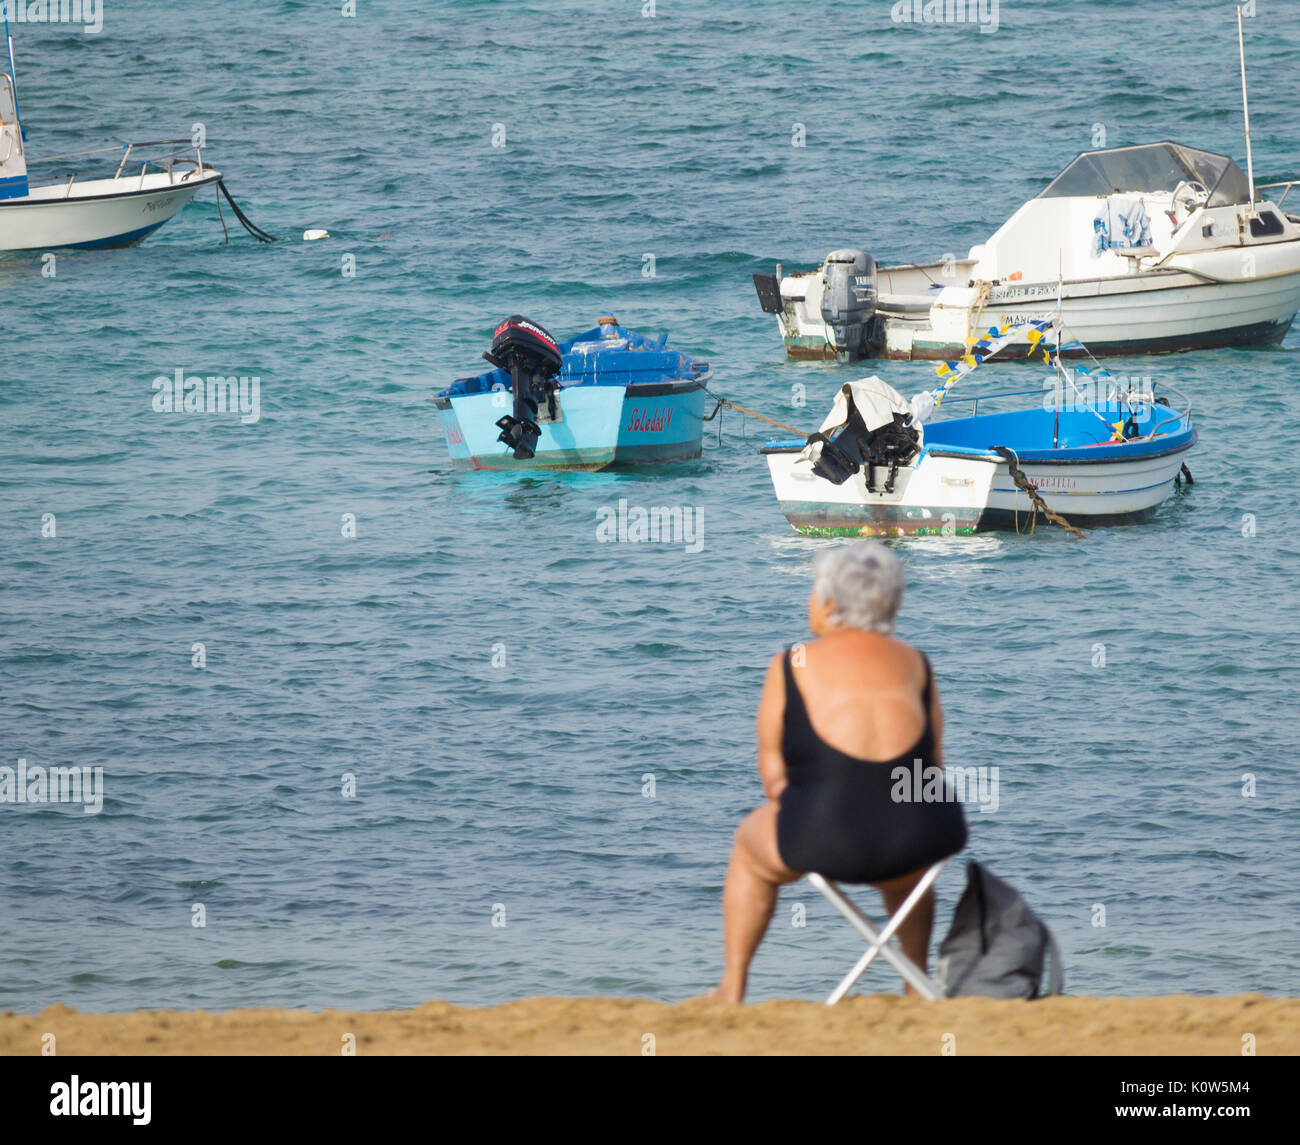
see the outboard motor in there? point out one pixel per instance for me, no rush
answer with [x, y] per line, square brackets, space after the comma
[532, 358]
[848, 300]
[871, 426]
[856, 447]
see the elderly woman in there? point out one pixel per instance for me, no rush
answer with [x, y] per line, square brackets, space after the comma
[836, 718]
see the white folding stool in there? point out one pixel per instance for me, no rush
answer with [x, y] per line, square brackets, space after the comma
[880, 940]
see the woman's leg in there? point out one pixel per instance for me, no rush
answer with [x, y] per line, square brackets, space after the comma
[749, 897]
[914, 934]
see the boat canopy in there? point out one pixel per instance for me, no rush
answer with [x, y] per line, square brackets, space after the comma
[1152, 167]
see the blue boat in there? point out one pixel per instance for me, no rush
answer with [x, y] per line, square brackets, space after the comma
[609, 396]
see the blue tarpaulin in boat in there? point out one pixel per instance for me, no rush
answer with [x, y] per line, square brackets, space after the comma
[603, 356]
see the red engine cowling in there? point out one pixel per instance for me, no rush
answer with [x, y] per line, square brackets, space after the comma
[518, 337]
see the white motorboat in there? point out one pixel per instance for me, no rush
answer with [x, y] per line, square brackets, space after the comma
[1151, 248]
[148, 187]
[880, 466]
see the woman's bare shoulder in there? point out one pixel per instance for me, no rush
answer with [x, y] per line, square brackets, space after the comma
[868, 652]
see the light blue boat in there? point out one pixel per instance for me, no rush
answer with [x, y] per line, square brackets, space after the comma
[609, 396]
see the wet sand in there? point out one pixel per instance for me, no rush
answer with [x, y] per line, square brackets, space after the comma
[879, 1024]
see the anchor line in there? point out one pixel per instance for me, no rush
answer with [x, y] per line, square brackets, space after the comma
[251, 227]
[1022, 482]
[221, 216]
[716, 410]
[749, 413]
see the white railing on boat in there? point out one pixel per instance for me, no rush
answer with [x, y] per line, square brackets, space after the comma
[183, 156]
[1274, 186]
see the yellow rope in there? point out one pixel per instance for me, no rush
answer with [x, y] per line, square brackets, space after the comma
[770, 421]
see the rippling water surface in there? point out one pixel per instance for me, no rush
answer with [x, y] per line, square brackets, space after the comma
[499, 683]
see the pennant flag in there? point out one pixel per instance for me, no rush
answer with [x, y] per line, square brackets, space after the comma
[980, 350]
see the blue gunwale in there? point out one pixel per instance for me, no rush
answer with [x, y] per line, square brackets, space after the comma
[1029, 434]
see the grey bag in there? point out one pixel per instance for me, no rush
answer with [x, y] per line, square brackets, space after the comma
[996, 946]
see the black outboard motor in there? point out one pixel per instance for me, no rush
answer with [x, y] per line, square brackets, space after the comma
[849, 299]
[855, 447]
[532, 358]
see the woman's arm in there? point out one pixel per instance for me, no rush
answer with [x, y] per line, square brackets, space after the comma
[936, 722]
[771, 720]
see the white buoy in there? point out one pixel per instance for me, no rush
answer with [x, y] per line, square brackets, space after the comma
[312, 236]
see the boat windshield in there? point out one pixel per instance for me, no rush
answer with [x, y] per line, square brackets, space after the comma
[8, 112]
[1154, 167]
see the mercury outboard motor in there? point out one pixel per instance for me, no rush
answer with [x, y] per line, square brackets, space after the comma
[532, 358]
[848, 299]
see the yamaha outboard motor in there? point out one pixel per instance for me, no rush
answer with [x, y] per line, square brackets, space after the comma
[848, 300]
[532, 358]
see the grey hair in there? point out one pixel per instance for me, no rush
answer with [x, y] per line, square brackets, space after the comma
[865, 581]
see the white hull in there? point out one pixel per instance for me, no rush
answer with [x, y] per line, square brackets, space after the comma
[1147, 313]
[100, 213]
[1143, 314]
[942, 494]
[1137, 258]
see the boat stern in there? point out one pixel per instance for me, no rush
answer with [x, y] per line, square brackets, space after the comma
[938, 495]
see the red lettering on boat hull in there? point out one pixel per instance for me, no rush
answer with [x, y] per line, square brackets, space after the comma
[655, 420]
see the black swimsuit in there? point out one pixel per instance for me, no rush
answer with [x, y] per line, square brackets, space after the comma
[839, 816]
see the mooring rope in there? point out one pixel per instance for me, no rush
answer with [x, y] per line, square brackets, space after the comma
[748, 412]
[221, 215]
[244, 221]
[1022, 482]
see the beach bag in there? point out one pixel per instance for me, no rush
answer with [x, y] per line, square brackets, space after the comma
[996, 947]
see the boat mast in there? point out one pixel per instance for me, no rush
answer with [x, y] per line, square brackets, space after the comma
[1060, 369]
[1245, 107]
[13, 78]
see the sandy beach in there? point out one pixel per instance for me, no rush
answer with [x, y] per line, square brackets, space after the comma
[879, 1024]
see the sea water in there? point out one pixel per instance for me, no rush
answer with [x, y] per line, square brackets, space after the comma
[373, 731]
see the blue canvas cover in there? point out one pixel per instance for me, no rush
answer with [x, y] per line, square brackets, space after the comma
[603, 356]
